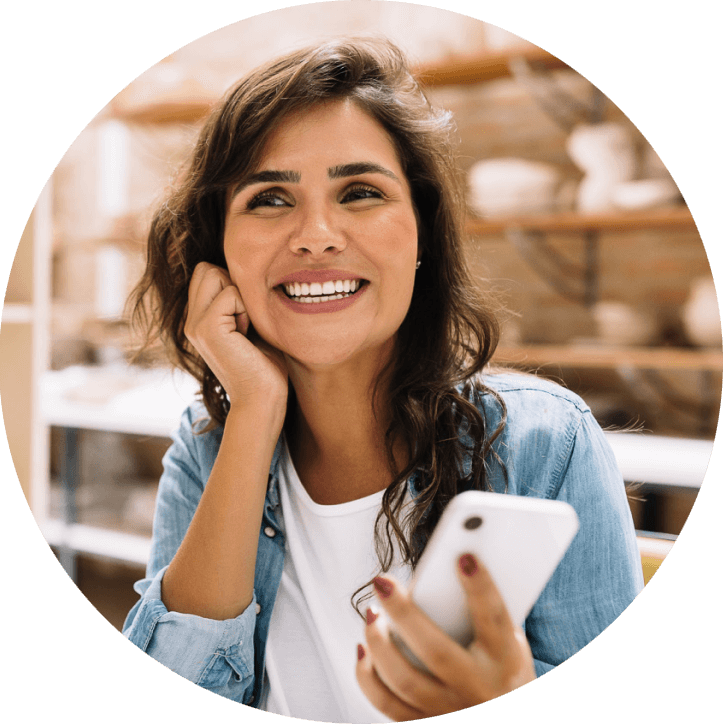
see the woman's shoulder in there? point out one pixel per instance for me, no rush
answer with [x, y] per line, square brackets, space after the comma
[525, 390]
[535, 414]
[540, 423]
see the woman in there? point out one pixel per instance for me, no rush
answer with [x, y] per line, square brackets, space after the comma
[309, 272]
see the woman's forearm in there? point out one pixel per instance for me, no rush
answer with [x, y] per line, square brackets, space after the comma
[212, 574]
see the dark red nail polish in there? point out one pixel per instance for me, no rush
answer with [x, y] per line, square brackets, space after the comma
[383, 587]
[359, 652]
[371, 617]
[468, 564]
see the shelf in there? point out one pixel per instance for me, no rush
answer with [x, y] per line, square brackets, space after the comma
[606, 357]
[178, 110]
[178, 107]
[484, 67]
[660, 459]
[120, 546]
[17, 313]
[124, 400]
[677, 217]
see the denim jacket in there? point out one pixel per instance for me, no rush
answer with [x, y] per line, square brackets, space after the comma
[551, 446]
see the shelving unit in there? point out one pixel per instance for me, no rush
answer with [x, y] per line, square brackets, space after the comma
[491, 66]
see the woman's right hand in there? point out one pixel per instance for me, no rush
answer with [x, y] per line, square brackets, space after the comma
[217, 325]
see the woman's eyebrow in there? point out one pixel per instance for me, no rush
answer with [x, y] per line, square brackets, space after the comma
[358, 168]
[265, 177]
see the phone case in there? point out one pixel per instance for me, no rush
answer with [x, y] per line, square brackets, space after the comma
[520, 540]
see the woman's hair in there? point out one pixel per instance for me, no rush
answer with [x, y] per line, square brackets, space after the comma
[450, 330]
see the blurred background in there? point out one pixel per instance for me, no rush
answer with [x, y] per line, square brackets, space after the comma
[574, 221]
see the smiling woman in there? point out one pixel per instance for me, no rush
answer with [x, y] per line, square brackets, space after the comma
[309, 272]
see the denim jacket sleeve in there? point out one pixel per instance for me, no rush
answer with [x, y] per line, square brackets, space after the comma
[601, 572]
[217, 655]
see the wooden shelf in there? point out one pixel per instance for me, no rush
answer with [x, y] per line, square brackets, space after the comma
[479, 68]
[570, 222]
[484, 67]
[603, 357]
[180, 110]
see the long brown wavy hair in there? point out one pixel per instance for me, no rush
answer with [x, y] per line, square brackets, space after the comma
[450, 331]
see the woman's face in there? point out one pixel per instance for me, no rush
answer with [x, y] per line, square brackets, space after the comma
[321, 239]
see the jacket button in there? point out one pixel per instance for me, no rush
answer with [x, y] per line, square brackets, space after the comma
[270, 532]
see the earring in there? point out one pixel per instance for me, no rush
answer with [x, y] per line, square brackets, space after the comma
[419, 263]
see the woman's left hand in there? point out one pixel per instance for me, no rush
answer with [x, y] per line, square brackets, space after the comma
[497, 661]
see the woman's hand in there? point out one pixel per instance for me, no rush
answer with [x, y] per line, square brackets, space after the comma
[497, 661]
[217, 326]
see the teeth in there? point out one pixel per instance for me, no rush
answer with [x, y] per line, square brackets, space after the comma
[316, 292]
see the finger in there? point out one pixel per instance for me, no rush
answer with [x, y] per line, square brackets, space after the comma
[442, 656]
[493, 627]
[378, 693]
[416, 688]
[228, 309]
[207, 281]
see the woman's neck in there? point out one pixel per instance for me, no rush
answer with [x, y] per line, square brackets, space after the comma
[336, 431]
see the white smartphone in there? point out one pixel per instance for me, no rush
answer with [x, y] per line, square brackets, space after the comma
[520, 540]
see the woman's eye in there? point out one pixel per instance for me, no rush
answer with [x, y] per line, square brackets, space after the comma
[360, 193]
[267, 199]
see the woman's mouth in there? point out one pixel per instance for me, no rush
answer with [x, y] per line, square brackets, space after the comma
[319, 292]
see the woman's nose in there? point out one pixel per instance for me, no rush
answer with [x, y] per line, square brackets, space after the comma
[318, 233]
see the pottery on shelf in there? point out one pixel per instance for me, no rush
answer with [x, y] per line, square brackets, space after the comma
[605, 152]
[510, 186]
[645, 194]
[620, 324]
[700, 314]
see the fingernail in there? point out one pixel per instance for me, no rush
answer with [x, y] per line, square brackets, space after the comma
[383, 587]
[468, 564]
[359, 652]
[371, 616]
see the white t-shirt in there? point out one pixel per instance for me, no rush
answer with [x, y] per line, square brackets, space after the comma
[314, 629]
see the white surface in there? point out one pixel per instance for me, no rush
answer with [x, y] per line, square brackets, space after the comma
[654, 547]
[661, 460]
[117, 399]
[17, 313]
[117, 545]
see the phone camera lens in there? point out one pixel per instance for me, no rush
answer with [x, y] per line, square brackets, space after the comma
[472, 523]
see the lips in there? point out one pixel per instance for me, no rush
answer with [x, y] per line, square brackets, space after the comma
[312, 297]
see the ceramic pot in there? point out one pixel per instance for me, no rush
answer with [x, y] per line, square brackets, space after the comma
[513, 186]
[700, 314]
[606, 154]
[621, 325]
